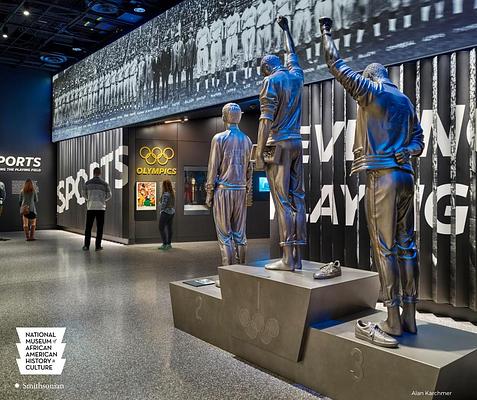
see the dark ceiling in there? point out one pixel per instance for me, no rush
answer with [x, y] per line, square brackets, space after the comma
[53, 34]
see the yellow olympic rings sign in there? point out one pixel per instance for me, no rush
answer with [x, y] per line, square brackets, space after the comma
[156, 155]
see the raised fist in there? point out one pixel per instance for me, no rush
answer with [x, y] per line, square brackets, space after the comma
[325, 24]
[283, 22]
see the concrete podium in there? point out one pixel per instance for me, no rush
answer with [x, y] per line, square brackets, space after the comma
[437, 359]
[273, 309]
[303, 329]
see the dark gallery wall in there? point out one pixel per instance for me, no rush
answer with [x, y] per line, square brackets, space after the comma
[77, 158]
[191, 142]
[117, 152]
[25, 134]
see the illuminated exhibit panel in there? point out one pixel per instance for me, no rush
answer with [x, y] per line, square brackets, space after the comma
[194, 191]
[203, 53]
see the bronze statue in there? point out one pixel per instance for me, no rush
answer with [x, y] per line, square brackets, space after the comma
[388, 134]
[229, 182]
[280, 151]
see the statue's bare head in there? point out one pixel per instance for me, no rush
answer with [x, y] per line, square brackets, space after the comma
[270, 63]
[376, 72]
[231, 113]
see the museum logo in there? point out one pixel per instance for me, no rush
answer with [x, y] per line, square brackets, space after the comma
[10, 163]
[157, 159]
[41, 351]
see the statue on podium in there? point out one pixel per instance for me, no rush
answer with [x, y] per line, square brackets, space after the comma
[388, 134]
[280, 151]
[229, 182]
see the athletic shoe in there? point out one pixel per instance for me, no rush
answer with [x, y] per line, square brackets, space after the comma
[163, 247]
[372, 333]
[99, 248]
[85, 248]
[328, 271]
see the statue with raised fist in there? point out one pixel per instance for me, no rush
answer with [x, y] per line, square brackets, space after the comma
[388, 134]
[280, 151]
[229, 185]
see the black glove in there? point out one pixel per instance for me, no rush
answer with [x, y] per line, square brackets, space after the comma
[283, 22]
[325, 25]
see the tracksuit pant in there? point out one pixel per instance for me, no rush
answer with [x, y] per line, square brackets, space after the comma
[390, 215]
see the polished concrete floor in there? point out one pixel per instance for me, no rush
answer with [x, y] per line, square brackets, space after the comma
[120, 339]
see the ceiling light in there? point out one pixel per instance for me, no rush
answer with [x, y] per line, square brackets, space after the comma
[105, 8]
[77, 49]
[172, 121]
[26, 11]
[176, 120]
[5, 32]
[54, 59]
[139, 10]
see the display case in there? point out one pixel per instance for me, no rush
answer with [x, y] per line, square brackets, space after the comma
[194, 191]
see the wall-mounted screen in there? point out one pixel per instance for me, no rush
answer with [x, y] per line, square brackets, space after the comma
[261, 188]
[263, 185]
[206, 52]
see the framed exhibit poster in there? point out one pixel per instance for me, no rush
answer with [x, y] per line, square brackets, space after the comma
[146, 198]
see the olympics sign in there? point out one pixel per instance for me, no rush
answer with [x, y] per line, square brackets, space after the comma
[156, 155]
[157, 159]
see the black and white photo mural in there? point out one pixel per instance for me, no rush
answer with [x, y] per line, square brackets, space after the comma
[205, 52]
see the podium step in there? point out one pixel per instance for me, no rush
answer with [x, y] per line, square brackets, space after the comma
[199, 311]
[303, 330]
[438, 362]
[273, 309]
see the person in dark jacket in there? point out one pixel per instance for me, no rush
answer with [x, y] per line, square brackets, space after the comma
[28, 200]
[177, 63]
[96, 192]
[388, 134]
[166, 59]
[190, 55]
[167, 214]
[156, 77]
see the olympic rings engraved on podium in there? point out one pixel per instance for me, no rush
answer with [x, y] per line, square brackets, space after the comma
[156, 155]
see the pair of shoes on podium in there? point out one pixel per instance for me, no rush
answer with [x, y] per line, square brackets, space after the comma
[372, 333]
[328, 271]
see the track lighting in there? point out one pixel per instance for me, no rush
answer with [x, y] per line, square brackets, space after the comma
[26, 11]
